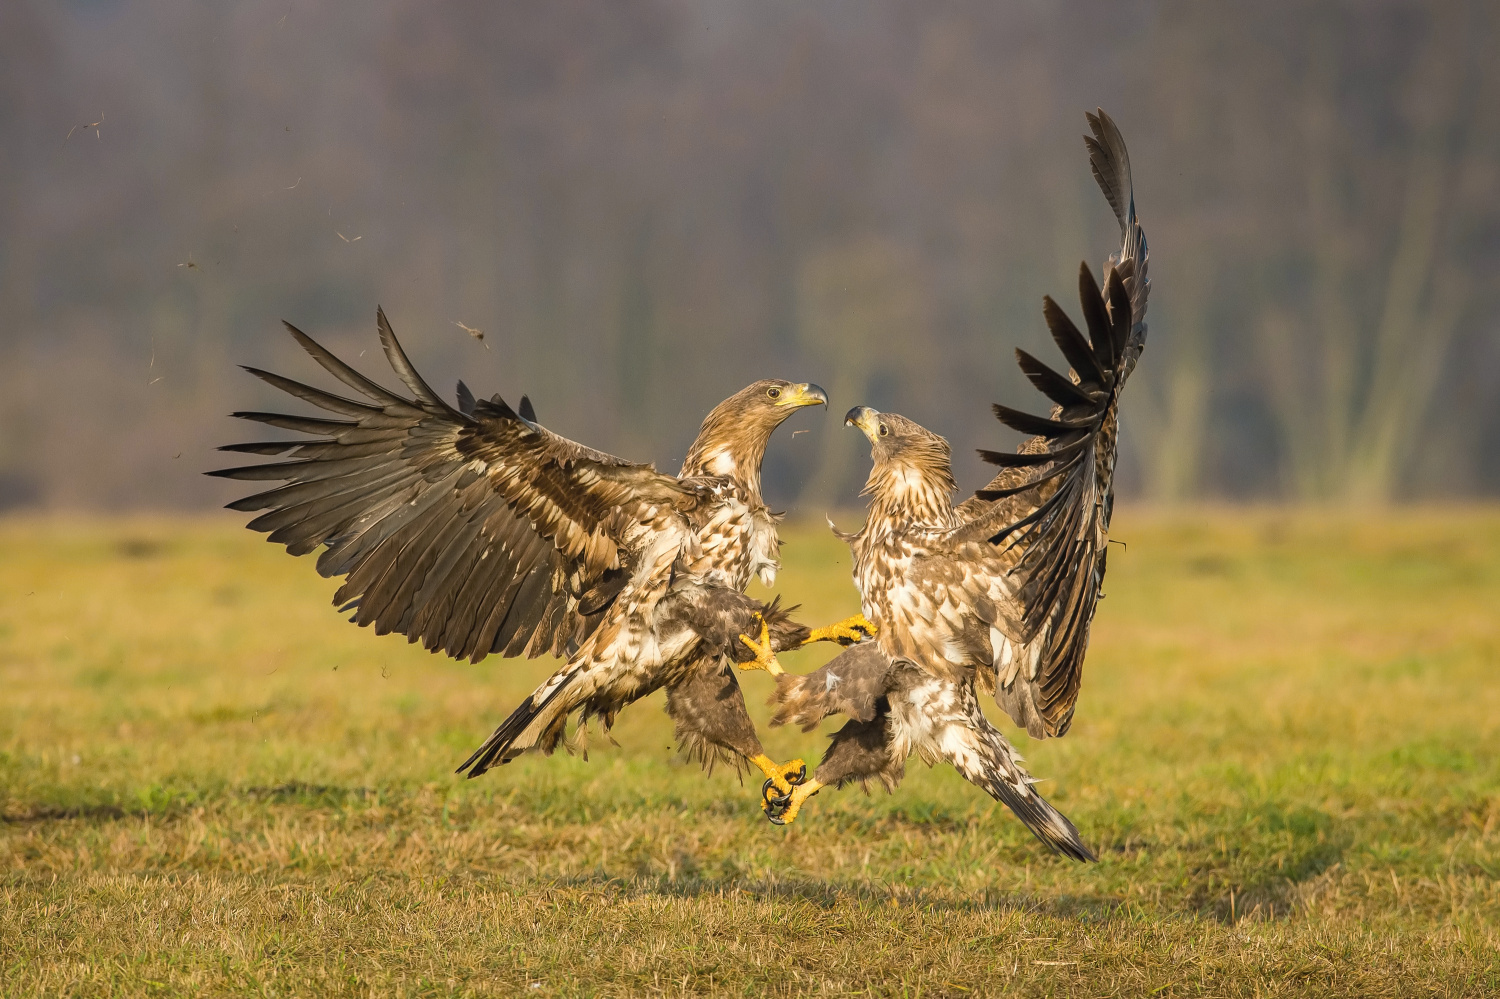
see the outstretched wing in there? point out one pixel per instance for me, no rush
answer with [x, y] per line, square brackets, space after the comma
[1045, 516]
[472, 530]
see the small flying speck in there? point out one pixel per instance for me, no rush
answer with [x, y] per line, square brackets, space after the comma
[93, 124]
[796, 432]
[294, 186]
[476, 334]
[188, 263]
[346, 239]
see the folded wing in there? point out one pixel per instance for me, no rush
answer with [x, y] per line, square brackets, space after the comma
[472, 530]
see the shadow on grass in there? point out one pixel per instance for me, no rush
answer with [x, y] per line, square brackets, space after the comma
[160, 802]
[841, 894]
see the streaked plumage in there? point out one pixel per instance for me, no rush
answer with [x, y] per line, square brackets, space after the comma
[999, 591]
[475, 530]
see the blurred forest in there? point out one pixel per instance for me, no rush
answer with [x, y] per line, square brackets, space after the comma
[646, 204]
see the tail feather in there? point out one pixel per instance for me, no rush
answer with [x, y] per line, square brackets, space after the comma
[1045, 822]
[501, 743]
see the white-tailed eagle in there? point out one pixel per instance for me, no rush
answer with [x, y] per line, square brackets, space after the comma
[995, 593]
[475, 531]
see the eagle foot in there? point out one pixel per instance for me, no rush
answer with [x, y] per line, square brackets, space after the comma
[782, 809]
[849, 631]
[765, 655]
[780, 777]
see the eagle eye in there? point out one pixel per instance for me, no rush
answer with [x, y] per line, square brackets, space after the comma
[885, 431]
[773, 392]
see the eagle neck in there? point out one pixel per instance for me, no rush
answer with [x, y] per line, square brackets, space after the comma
[737, 459]
[903, 496]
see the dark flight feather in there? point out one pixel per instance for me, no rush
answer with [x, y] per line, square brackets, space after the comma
[1061, 536]
[407, 495]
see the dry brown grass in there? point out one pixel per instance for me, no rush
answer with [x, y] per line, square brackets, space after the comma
[1285, 754]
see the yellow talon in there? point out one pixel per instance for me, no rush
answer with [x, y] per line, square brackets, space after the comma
[782, 776]
[846, 632]
[783, 811]
[765, 656]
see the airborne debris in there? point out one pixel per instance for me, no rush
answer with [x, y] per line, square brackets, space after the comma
[346, 239]
[93, 124]
[188, 263]
[476, 334]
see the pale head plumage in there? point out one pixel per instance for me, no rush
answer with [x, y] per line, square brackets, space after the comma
[912, 476]
[732, 441]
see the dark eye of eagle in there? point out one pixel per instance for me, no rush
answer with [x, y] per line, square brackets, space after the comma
[885, 431]
[774, 393]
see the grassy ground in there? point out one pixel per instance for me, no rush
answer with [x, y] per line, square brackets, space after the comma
[1285, 754]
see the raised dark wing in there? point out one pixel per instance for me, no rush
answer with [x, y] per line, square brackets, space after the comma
[1046, 515]
[472, 530]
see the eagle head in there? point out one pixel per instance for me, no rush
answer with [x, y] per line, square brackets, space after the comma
[732, 441]
[913, 466]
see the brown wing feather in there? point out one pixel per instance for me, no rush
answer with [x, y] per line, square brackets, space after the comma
[1045, 520]
[471, 530]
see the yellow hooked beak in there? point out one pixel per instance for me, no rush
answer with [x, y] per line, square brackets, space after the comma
[866, 419]
[806, 394]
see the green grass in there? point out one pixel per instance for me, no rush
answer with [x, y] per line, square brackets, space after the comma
[1285, 754]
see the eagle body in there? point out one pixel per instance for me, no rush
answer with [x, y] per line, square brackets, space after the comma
[475, 530]
[898, 708]
[678, 617]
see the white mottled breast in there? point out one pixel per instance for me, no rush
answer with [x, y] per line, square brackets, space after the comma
[919, 603]
[736, 543]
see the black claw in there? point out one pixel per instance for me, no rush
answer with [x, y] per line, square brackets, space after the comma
[774, 804]
[800, 777]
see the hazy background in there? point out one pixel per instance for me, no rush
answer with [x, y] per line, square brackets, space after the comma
[646, 204]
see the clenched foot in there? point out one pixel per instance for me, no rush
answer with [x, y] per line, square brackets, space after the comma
[782, 809]
[846, 632]
[783, 777]
[765, 656]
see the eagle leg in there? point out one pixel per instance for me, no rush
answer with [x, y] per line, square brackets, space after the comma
[765, 653]
[784, 777]
[782, 810]
[849, 631]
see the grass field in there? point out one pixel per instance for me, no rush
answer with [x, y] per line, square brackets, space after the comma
[1287, 755]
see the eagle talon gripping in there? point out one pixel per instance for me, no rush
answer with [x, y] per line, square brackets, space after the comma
[773, 803]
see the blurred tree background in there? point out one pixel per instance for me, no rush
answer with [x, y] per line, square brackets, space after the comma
[645, 204]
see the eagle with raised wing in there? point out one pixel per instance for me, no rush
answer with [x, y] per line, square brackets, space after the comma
[998, 592]
[475, 531]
